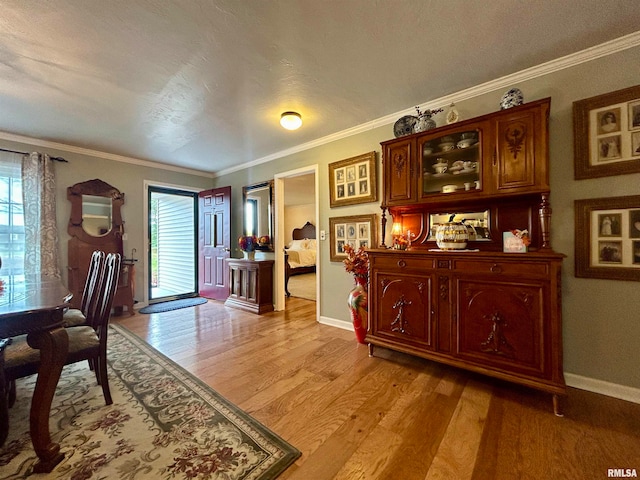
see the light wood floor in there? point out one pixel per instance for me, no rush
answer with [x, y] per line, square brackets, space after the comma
[392, 416]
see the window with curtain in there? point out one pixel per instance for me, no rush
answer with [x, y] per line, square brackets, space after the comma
[28, 230]
[12, 231]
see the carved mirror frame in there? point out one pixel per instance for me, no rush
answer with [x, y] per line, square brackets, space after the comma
[96, 188]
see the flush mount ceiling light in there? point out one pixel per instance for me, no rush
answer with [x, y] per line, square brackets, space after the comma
[291, 120]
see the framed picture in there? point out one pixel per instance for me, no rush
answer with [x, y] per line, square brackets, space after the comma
[607, 238]
[356, 230]
[606, 134]
[353, 180]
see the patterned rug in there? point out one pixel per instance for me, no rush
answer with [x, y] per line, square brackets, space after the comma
[163, 424]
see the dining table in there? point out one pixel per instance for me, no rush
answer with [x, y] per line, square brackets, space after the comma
[34, 305]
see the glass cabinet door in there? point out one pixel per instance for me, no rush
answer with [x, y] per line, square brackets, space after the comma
[451, 163]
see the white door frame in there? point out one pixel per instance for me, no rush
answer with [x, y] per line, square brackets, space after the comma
[279, 180]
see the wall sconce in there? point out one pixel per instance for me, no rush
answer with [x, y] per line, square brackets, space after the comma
[291, 120]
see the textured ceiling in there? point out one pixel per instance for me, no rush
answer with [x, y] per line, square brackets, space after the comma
[201, 83]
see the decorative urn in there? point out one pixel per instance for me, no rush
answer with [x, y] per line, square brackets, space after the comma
[452, 235]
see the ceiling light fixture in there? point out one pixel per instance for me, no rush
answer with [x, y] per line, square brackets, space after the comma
[291, 120]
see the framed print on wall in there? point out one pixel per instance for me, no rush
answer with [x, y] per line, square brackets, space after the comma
[353, 180]
[356, 230]
[606, 134]
[607, 238]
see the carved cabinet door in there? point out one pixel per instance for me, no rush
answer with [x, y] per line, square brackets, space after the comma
[403, 309]
[520, 139]
[399, 177]
[501, 324]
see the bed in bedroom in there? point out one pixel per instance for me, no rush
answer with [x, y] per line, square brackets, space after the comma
[300, 255]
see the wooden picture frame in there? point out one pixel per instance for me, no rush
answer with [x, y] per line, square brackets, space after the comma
[606, 134]
[607, 238]
[357, 230]
[353, 180]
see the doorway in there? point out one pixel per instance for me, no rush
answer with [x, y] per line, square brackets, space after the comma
[172, 219]
[295, 190]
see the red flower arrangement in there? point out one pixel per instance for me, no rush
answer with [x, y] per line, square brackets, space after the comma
[247, 243]
[357, 263]
[400, 242]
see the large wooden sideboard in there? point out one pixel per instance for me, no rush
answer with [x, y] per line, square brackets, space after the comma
[477, 308]
[494, 313]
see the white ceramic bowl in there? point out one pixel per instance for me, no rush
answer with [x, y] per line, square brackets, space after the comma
[445, 147]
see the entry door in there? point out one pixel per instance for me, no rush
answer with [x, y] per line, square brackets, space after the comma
[214, 242]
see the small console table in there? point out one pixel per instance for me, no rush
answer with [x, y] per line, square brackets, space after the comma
[251, 285]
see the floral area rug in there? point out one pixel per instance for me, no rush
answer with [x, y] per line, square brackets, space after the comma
[163, 424]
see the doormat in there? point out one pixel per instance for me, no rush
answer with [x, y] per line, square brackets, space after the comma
[173, 305]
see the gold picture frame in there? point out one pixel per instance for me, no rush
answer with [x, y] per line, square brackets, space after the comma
[356, 230]
[353, 180]
[607, 238]
[606, 134]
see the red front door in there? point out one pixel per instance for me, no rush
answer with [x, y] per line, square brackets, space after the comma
[214, 242]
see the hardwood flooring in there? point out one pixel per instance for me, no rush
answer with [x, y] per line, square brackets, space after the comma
[392, 416]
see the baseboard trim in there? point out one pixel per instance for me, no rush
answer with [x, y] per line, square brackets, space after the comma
[333, 322]
[609, 389]
[622, 392]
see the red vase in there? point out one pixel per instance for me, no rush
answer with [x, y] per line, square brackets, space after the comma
[359, 308]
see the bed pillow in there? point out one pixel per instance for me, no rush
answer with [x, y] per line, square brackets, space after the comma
[312, 244]
[298, 244]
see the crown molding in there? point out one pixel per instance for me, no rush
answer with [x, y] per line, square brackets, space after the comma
[608, 48]
[12, 137]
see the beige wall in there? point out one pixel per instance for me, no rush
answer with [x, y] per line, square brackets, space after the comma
[295, 217]
[601, 319]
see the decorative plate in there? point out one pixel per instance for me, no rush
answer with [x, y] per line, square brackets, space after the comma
[512, 98]
[404, 126]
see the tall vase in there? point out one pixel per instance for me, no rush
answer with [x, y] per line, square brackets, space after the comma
[359, 308]
[424, 123]
[249, 255]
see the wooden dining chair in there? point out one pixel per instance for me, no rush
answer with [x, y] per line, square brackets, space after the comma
[86, 342]
[78, 316]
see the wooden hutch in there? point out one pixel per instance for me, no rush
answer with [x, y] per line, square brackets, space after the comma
[479, 309]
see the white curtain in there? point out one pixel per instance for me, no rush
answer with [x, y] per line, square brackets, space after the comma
[41, 233]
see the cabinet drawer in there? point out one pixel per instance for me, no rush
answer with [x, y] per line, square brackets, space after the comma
[399, 262]
[497, 267]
